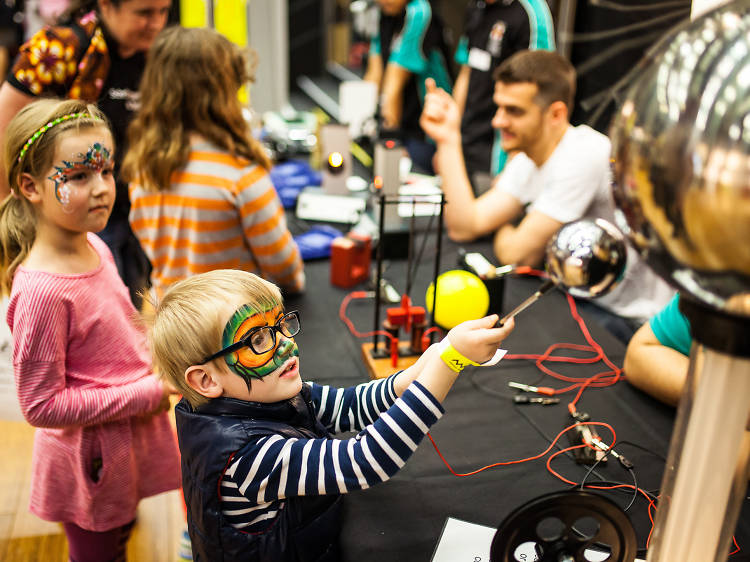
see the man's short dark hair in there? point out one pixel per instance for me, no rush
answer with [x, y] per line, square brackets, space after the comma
[552, 74]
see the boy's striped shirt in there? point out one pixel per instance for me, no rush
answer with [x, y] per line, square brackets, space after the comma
[272, 468]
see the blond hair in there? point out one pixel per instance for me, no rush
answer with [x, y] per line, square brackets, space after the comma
[187, 323]
[17, 214]
[190, 85]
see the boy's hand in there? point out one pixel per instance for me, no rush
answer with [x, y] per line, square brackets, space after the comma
[478, 339]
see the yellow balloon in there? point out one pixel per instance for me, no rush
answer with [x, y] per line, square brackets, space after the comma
[461, 296]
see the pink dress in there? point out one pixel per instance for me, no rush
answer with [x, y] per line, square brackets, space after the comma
[83, 376]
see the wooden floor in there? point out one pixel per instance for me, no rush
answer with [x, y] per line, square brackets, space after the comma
[26, 538]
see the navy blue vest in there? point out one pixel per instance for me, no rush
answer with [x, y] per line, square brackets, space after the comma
[306, 529]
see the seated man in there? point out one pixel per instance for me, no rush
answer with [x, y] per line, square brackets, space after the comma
[408, 48]
[559, 174]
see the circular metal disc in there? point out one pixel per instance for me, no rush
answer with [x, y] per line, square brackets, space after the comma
[570, 526]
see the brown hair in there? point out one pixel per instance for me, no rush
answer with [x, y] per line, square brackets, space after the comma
[17, 215]
[552, 74]
[189, 85]
[186, 325]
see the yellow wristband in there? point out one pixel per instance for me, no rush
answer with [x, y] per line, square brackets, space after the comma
[455, 361]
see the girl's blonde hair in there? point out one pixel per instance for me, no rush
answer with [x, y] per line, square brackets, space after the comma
[190, 85]
[17, 216]
[187, 324]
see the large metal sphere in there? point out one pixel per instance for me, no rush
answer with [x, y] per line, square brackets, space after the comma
[587, 257]
[681, 147]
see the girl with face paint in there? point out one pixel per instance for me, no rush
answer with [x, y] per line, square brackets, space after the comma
[80, 362]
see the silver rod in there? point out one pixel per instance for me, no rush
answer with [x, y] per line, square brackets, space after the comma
[528, 302]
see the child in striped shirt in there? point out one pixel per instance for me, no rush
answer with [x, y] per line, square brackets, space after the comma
[201, 197]
[81, 364]
[261, 472]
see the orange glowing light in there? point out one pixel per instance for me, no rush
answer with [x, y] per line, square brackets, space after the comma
[335, 160]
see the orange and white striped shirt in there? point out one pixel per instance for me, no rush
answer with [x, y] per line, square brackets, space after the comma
[221, 212]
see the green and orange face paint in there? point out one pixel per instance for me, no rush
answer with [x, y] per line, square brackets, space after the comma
[245, 362]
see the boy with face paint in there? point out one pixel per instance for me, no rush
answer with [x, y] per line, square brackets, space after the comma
[251, 429]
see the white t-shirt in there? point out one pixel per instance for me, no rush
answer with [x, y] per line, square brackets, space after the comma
[574, 183]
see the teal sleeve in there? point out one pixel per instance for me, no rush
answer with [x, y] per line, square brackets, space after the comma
[672, 328]
[462, 51]
[375, 45]
[541, 27]
[407, 53]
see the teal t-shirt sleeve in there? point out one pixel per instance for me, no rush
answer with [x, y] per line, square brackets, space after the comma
[672, 328]
[375, 45]
[407, 52]
[541, 27]
[462, 51]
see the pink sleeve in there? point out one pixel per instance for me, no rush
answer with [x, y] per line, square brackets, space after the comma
[40, 335]
[47, 402]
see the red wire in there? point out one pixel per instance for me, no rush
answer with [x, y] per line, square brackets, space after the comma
[736, 546]
[428, 331]
[651, 502]
[599, 380]
[342, 315]
[350, 325]
[506, 463]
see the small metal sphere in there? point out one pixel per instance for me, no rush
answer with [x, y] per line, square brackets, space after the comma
[681, 157]
[587, 257]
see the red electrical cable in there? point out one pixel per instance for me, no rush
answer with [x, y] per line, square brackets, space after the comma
[599, 380]
[342, 315]
[506, 463]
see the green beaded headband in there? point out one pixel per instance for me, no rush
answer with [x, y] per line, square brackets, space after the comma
[48, 126]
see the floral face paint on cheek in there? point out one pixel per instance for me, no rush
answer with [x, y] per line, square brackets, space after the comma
[66, 177]
[245, 362]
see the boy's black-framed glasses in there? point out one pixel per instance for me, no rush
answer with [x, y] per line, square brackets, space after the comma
[262, 339]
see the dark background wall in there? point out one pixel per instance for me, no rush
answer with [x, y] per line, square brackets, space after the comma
[609, 38]
[307, 38]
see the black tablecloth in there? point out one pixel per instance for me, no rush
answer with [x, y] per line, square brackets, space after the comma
[402, 518]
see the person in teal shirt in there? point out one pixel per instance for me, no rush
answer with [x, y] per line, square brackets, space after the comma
[656, 360]
[409, 48]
